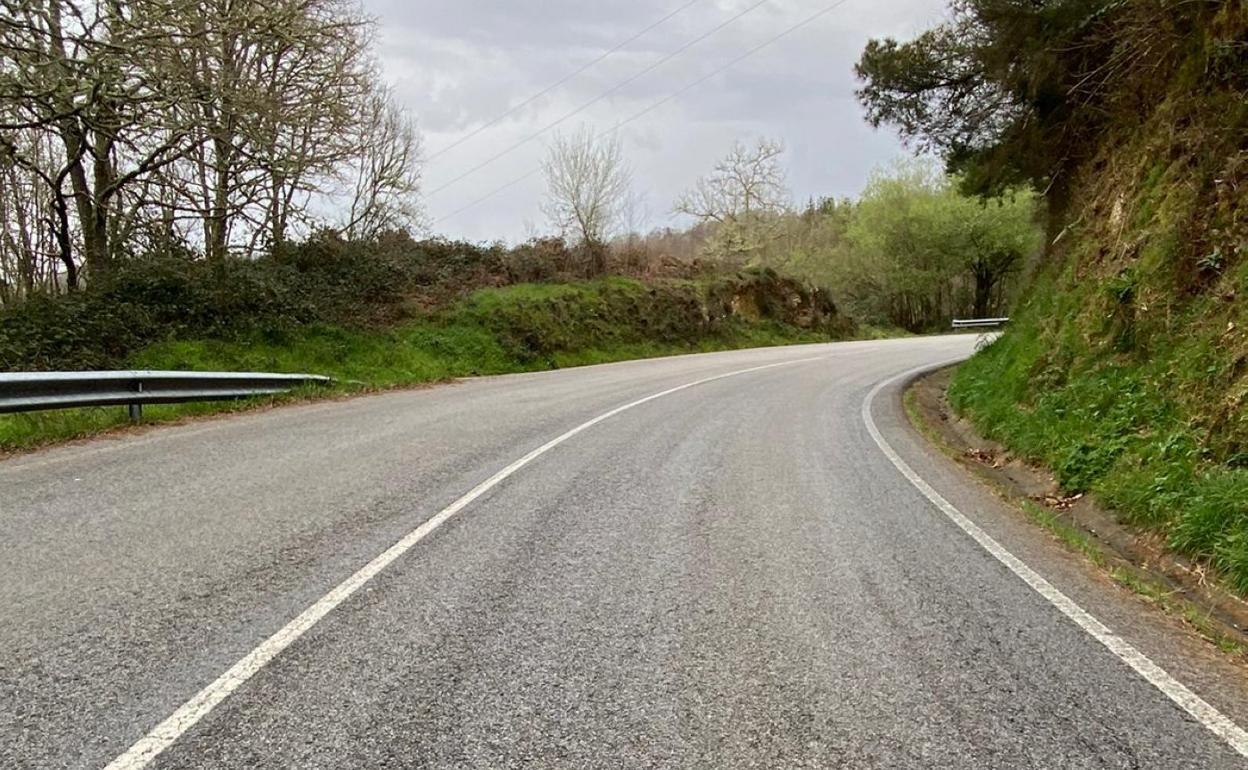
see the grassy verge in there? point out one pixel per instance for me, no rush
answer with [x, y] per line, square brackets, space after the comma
[1134, 576]
[1156, 432]
[495, 331]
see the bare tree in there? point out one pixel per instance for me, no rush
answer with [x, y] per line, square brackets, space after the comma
[749, 180]
[101, 78]
[316, 96]
[217, 126]
[386, 170]
[587, 183]
[280, 86]
[743, 198]
[31, 250]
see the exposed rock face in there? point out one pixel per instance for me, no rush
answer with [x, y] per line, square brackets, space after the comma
[763, 294]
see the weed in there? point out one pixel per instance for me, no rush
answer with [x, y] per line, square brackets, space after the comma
[1074, 538]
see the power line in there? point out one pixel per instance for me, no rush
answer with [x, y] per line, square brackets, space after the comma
[555, 85]
[596, 99]
[487, 196]
[808, 20]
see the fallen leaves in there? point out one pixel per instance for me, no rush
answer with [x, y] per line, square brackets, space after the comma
[984, 457]
[1058, 502]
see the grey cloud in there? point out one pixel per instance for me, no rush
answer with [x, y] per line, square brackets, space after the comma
[456, 65]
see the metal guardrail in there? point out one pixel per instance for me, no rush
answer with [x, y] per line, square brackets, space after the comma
[980, 323]
[34, 391]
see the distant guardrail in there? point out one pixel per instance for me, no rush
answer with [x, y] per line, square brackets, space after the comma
[980, 323]
[36, 391]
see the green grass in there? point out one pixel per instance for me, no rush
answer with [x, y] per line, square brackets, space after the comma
[1074, 538]
[1172, 602]
[495, 331]
[1071, 536]
[1150, 427]
[1126, 372]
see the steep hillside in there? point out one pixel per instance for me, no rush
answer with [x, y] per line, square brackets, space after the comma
[1126, 369]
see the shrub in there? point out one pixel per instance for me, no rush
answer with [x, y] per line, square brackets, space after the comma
[326, 280]
[152, 298]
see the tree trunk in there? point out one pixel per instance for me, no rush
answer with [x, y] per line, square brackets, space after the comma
[64, 241]
[215, 228]
[99, 258]
[598, 253]
[94, 234]
[100, 263]
[983, 292]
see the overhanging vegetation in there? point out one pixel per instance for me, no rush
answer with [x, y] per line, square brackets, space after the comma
[1125, 369]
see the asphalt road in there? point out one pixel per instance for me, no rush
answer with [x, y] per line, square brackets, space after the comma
[733, 574]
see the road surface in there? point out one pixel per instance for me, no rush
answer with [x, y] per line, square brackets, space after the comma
[731, 571]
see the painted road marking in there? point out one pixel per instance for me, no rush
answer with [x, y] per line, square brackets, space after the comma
[1215, 721]
[184, 718]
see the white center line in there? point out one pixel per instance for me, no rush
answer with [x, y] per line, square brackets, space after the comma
[188, 714]
[1215, 721]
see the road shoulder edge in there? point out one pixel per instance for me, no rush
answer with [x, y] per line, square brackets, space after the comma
[1197, 708]
[1135, 561]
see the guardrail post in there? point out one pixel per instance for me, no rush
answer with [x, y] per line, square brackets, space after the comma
[135, 408]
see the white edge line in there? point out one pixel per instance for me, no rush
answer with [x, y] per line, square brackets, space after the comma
[1215, 721]
[192, 711]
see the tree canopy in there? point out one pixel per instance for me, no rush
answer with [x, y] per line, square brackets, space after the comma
[1014, 91]
[210, 127]
[921, 251]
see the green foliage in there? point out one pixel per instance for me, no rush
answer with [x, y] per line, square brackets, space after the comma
[919, 252]
[1126, 368]
[813, 243]
[1011, 92]
[357, 285]
[1145, 432]
[540, 321]
[324, 280]
[525, 327]
[536, 321]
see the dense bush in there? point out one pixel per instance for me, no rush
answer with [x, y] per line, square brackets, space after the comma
[375, 284]
[542, 320]
[538, 321]
[150, 298]
[147, 301]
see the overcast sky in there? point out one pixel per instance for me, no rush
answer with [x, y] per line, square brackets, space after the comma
[458, 64]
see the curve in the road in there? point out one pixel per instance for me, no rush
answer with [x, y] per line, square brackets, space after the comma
[1213, 720]
[734, 576]
[202, 703]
